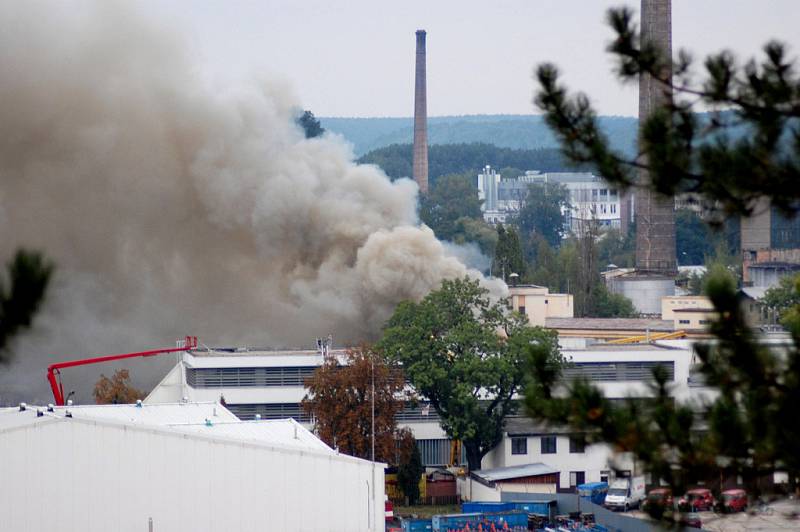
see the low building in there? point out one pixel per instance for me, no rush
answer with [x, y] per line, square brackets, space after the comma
[538, 304]
[608, 328]
[526, 442]
[490, 484]
[181, 467]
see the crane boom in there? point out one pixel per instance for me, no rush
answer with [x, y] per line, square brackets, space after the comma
[54, 370]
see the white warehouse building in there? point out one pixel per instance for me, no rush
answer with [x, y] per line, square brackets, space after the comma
[188, 467]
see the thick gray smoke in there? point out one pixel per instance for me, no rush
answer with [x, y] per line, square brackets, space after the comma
[171, 207]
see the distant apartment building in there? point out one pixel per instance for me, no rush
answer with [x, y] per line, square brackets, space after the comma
[590, 197]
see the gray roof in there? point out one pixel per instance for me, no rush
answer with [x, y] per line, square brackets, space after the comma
[525, 426]
[610, 324]
[755, 292]
[520, 471]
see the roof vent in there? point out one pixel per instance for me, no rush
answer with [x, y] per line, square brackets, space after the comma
[209, 423]
[69, 402]
[39, 412]
[23, 407]
[184, 399]
[68, 413]
[138, 403]
[50, 407]
[258, 417]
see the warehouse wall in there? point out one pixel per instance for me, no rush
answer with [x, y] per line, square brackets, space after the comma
[79, 475]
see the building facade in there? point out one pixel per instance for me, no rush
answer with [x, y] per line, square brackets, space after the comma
[591, 199]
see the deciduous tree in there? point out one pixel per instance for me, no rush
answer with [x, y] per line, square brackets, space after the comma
[117, 390]
[466, 355]
[340, 399]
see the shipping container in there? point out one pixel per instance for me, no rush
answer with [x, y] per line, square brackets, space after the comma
[417, 525]
[453, 522]
[483, 507]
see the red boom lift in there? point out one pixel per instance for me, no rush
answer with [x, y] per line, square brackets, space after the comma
[54, 373]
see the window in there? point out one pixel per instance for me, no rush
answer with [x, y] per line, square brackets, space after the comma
[519, 445]
[522, 310]
[577, 444]
[548, 445]
[613, 208]
[576, 478]
[604, 475]
[705, 322]
[683, 322]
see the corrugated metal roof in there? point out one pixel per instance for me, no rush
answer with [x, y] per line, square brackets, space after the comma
[520, 471]
[207, 419]
[755, 292]
[159, 414]
[610, 324]
[281, 432]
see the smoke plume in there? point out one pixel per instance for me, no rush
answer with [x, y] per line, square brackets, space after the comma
[171, 207]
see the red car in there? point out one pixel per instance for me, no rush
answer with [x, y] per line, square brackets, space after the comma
[659, 497]
[733, 501]
[698, 499]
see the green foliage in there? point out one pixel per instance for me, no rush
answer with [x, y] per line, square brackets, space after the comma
[519, 132]
[311, 126]
[468, 159]
[615, 248]
[785, 296]
[545, 212]
[451, 198]
[475, 230]
[738, 157]
[606, 304]
[21, 295]
[508, 257]
[697, 239]
[409, 474]
[449, 347]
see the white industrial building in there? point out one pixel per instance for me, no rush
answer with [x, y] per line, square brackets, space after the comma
[269, 383]
[177, 467]
[591, 199]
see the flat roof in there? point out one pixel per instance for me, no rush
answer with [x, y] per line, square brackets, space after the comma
[610, 324]
[520, 471]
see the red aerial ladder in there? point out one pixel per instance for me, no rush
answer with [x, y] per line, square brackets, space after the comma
[54, 373]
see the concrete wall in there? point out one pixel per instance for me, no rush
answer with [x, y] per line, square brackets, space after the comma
[86, 476]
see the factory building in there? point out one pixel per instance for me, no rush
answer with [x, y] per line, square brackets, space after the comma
[591, 199]
[180, 467]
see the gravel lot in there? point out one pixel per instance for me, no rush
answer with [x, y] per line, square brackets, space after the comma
[783, 515]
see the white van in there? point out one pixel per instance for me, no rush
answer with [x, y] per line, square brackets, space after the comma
[625, 493]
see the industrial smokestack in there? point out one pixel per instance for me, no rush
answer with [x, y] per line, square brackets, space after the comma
[654, 213]
[420, 118]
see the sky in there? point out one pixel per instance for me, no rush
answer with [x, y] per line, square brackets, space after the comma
[356, 57]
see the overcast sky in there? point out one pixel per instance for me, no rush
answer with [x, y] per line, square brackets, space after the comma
[356, 57]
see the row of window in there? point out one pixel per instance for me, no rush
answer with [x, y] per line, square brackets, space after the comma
[248, 377]
[617, 371]
[548, 445]
[270, 411]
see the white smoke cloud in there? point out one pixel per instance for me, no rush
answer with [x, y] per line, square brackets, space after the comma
[173, 208]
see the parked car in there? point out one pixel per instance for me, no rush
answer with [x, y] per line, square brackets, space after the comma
[698, 499]
[659, 497]
[691, 519]
[734, 500]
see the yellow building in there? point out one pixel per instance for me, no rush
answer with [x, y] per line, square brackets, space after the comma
[687, 312]
[538, 304]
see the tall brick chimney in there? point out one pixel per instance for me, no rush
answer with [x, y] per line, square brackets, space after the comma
[654, 214]
[420, 167]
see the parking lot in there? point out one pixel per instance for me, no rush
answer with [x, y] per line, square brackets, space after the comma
[780, 515]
